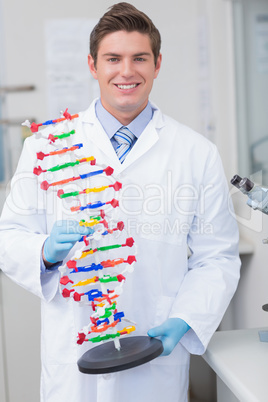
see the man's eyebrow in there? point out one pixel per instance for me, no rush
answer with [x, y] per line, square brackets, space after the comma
[111, 54]
[134, 55]
[142, 54]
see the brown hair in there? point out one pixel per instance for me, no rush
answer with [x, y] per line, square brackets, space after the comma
[124, 17]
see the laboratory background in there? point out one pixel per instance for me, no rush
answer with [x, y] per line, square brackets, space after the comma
[214, 78]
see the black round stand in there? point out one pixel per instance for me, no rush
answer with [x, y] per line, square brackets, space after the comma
[105, 358]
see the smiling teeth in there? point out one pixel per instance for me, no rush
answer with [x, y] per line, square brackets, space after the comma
[127, 86]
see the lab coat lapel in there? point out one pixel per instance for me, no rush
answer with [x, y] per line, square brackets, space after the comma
[96, 134]
[147, 139]
[94, 131]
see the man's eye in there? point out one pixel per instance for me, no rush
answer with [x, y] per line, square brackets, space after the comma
[139, 59]
[113, 59]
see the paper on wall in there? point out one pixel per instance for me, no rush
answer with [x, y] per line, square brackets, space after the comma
[69, 82]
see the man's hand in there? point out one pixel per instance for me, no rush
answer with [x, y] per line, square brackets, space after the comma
[63, 237]
[170, 333]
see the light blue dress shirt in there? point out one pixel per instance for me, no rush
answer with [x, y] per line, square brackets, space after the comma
[111, 125]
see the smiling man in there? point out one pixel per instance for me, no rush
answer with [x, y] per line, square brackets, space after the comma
[125, 68]
[173, 188]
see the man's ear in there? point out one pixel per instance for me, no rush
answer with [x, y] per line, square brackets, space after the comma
[158, 65]
[91, 66]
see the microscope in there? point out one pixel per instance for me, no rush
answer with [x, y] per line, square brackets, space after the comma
[257, 199]
[257, 195]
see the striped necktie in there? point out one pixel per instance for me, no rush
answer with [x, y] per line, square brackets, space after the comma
[124, 138]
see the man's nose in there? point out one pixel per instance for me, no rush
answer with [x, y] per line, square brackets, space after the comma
[127, 68]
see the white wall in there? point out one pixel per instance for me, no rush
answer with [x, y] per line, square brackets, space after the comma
[195, 86]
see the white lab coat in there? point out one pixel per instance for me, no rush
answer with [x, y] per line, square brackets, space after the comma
[175, 199]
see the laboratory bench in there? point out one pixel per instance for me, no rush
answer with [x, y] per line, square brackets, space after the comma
[240, 361]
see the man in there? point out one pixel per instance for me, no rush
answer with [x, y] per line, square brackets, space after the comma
[175, 200]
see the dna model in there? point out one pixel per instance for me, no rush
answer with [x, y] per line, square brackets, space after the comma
[96, 271]
[103, 299]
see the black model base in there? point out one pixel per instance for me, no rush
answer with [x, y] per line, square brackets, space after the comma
[134, 351]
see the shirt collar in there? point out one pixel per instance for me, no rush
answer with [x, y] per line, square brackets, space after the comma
[111, 125]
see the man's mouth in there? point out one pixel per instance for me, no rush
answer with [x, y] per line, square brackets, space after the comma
[124, 86]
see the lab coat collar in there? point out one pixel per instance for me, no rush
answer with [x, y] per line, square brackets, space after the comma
[147, 139]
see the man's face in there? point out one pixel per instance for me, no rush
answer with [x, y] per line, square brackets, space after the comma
[125, 70]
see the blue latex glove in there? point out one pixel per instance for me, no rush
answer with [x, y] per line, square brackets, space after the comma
[63, 237]
[170, 333]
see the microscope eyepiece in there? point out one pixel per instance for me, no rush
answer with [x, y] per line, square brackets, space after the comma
[235, 181]
[246, 184]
